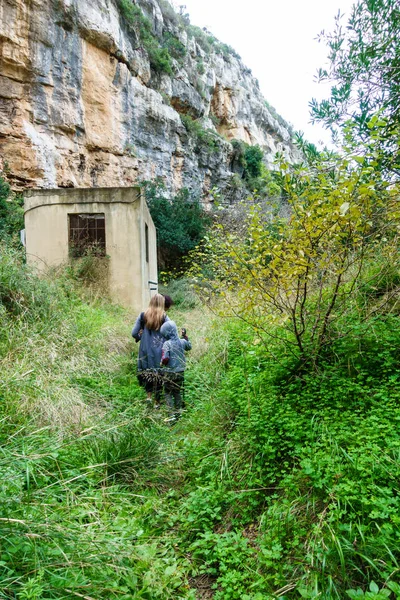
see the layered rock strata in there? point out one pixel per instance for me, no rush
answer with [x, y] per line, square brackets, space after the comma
[80, 105]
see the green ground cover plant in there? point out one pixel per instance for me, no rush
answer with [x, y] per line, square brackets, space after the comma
[274, 484]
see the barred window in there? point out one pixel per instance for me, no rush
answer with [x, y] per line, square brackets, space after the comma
[87, 234]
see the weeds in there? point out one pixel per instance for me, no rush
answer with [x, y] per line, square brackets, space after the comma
[272, 485]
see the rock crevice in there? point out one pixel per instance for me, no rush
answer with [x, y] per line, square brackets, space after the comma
[81, 104]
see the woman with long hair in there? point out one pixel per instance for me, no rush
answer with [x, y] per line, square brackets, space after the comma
[147, 331]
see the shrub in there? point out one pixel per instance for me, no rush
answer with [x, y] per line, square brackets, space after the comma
[159, 57]
[249, 158]
[255, 176]
[169, 12]
[205, 138]
[11, 211]
[204, 41]
[253, 157]
[174, 46]
[181, 224]
[160, 60]
[227, 51]
[308, 270]
[209, 43]
[200, 66]
[134, 16]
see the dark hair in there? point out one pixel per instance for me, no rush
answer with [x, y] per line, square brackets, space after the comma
[168, 301]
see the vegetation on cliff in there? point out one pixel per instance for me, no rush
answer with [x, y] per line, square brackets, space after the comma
[163, 48]
[167, 48]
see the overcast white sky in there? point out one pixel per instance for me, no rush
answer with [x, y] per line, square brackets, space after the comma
[276, 39]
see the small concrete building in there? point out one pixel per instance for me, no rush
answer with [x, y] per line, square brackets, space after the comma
[61, 224]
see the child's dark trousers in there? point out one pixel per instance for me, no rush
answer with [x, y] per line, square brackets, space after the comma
[173, 389]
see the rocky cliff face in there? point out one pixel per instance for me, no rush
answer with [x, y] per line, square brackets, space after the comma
[82, 105]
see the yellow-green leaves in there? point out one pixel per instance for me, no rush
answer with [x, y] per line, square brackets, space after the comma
[302, 266]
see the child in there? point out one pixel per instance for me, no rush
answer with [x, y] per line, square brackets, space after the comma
[174, 363]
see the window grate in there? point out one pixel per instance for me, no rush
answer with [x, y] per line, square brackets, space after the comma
[87, 234]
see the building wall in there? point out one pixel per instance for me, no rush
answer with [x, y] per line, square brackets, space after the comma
[126, 216]
[149, 268]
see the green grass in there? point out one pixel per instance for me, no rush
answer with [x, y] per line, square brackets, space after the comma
[273, 484]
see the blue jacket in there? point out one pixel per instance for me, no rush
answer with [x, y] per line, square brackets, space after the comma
[173, 350]
[151, 343]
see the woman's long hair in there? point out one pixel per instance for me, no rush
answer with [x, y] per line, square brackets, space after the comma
[155, 314]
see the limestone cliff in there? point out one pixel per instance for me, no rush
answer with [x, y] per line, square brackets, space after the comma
[82, 105]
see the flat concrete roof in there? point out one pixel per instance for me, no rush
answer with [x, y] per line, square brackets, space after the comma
[49, 197]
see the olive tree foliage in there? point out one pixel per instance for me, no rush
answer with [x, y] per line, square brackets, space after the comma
[302, 277]
[364, 70]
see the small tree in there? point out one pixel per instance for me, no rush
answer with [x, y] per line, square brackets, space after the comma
[307, 272]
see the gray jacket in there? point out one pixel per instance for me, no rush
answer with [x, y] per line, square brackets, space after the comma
[173, 350]
[151, 343]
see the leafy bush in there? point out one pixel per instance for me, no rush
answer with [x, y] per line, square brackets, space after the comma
[200, 66]
[209, 43]
[253, 157]
[205, 138]
[174, 46]
[181, 224]
[11, 212]
[169, 12]
[159, 57]
[205, 41]
[309, 268]
[250, 158]
[134, 16]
